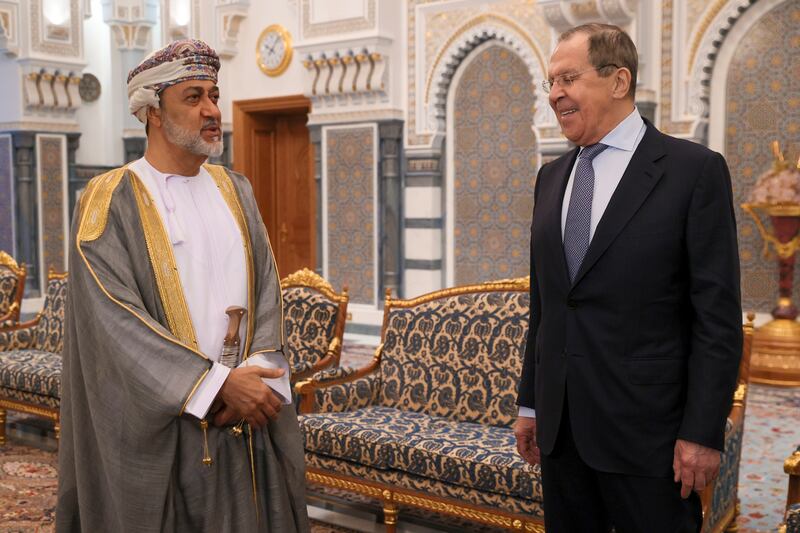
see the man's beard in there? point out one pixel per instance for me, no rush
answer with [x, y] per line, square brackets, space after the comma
[191, 141]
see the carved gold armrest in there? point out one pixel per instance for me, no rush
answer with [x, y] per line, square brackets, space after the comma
[331, 359]
[336, 376]
[11, 316]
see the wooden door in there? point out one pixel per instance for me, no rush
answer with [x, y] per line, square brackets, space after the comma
[273, 149]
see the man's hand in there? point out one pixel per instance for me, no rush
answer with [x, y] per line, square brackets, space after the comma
[695, 466]
[525, 432]
[246, 396]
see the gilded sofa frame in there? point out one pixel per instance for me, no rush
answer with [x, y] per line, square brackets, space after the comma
[8, 404]
[390, 496]
[21, 272]
[309, 279]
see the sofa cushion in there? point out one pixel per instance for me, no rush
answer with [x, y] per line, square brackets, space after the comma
[459, 453]
[365, 436]
[309, 319]
[433, 487]
[47, 402]
[32, 371]
[8, 289]
[50, 329]
[457, 356]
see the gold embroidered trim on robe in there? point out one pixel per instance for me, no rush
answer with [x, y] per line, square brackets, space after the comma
[96, 202]
[162, 259]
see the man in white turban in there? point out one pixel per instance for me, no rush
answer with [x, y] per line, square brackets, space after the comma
[174, 414]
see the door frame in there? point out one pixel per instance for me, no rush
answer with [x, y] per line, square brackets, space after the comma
[248, 115]
[245, 122]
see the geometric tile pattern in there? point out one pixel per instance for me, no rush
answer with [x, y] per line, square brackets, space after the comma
[52, 177]
[351, 168]
[7, 201]
[495, 167]
[763, 104]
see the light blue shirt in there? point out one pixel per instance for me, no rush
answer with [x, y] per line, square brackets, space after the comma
[608, 166]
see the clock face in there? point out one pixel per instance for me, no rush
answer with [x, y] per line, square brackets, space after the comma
[274, 50]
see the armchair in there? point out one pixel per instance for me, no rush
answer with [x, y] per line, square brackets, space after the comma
[30, 359]
[314, 318]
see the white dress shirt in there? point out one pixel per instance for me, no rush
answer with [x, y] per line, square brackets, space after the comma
[608, 166]
[210, 258]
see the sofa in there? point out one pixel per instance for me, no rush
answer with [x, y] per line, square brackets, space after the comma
[314, 316]
[426, 425]
[30, 359]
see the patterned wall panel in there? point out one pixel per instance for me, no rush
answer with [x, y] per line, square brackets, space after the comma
[495, 167]
[52, 190]
[6, 195]
[763, 104]
[351, 193]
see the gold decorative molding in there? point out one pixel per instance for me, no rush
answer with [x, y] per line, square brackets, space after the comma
[8, 262]
[705, 22]
[308, 278]
[468, 26]
[514, 284]
[391, 496]
[23, 407]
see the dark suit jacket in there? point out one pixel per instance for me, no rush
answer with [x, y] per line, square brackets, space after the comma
[645, 344]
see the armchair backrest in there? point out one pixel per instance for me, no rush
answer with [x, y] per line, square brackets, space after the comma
[314, 316]
[12, 285]
[456, 353]
[49, 335]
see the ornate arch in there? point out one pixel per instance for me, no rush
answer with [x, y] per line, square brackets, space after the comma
[712, 31]
[463, 41]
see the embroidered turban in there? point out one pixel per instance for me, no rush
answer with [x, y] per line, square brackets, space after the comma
[188, 59]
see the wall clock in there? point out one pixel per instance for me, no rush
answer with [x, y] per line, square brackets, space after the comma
[274, 50]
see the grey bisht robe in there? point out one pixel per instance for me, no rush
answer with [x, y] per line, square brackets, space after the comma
[129, 459]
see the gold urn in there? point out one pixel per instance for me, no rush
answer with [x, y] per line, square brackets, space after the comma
[776, 344]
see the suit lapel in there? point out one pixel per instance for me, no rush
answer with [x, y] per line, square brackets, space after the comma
[637, 182]
[559, 174]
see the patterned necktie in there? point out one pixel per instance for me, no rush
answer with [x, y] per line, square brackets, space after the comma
[579, 214]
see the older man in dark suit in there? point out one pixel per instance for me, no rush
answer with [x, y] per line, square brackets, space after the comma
[635, 332]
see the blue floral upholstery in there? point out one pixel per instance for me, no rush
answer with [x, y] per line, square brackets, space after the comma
[793, 518]
[424, 485]
[348, 396]
[17, 339]
[458, 357]
[459, 453]
[38, 400]
[8, 290]
[50, 328]
[723, 498]
[309, 318]
[32, 371]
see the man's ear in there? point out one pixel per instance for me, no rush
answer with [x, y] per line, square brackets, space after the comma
[154, 116]
[622, 83]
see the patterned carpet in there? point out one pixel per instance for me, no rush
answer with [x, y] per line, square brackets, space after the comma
[28, 477]
[771, 433]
